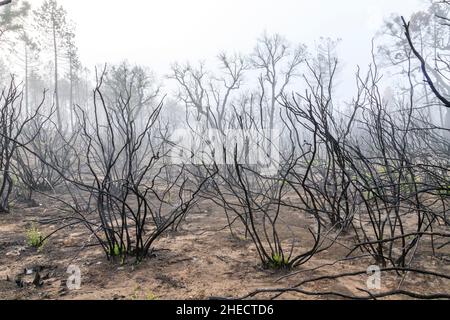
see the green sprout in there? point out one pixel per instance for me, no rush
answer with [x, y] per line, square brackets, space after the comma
[279, 262]
[34, 237]
[445, 191]
[118, 251]
[151, 297]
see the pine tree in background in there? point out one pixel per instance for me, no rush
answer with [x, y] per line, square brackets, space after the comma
[51, 23]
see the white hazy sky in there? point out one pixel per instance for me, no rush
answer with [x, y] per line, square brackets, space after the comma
[157, 33]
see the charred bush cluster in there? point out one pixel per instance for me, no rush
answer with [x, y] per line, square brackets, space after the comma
[375, 173]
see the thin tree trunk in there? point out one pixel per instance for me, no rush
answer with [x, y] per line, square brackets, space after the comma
[71, 93]
[58, 109]
[27, 103]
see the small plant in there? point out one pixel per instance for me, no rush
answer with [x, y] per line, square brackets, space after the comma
[279, 262]
[150, 297]
[137, 296]
[116, 251]
[445, 192]
[34, 237]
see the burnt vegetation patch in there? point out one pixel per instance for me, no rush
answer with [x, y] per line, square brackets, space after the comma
[253, 171]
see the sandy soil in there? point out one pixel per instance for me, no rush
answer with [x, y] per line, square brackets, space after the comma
[198, 262]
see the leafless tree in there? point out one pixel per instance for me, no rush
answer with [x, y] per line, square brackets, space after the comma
[13, 122]
[279, 63]
[117, 180]
[207, 95]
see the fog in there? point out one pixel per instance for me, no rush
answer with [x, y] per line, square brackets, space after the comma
[159, 33]
[223, 150]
